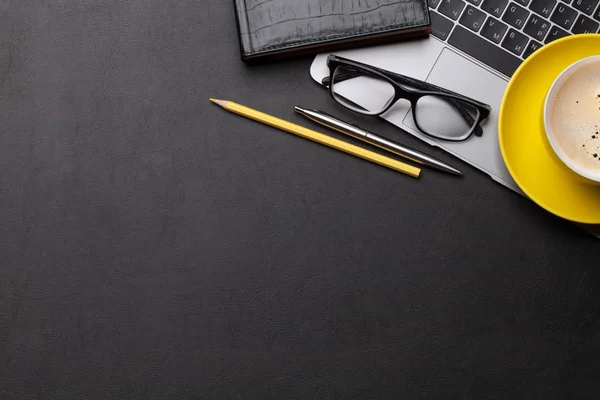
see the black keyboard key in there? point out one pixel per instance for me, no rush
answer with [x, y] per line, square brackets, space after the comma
[537, 27]
[531, 47]
[563, 16]
[523, 2]
[452, 8]
[586, 6]
[433, 3]
[515, 42]
[476, 2]
[494, 7]
[585, 25]
[555, 33]
[472, 18]
[440, 26]
[494, 30]
[542, 7]
[515, 15]
[486, 52]
[597, 14]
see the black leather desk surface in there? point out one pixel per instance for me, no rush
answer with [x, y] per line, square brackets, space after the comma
[154, 246]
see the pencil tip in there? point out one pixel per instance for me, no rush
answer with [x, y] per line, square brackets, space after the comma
[221, 103]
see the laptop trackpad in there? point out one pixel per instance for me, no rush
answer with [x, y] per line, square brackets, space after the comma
[454, 72]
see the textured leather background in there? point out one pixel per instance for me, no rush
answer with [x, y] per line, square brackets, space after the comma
[267, 25]
[154, 246]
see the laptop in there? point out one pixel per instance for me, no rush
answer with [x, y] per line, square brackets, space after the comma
[474, 48]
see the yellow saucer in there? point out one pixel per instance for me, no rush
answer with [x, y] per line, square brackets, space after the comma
[540, 174]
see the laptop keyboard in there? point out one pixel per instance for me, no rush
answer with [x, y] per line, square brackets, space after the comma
[502, 33]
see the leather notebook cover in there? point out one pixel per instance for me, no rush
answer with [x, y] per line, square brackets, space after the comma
[284, 28]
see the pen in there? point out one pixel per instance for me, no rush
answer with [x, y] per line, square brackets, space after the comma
[376, 140]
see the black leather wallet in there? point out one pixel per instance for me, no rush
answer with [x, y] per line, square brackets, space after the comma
[271, 29]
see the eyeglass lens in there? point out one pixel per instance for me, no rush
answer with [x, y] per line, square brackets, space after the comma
[361, 91]
[444, 117]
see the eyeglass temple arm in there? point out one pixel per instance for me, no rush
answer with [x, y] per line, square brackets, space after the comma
[413, 82]
[417, 85]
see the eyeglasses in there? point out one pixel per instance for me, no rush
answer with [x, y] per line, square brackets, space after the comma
[436, 112]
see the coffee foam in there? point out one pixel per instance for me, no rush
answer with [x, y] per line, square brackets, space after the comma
[575, 116]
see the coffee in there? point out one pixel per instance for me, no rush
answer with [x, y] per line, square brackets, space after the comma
[573, 115]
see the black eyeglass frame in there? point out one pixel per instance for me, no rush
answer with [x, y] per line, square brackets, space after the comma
[417, 90]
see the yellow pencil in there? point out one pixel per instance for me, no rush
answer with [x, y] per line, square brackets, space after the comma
[319, 137]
